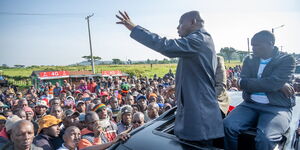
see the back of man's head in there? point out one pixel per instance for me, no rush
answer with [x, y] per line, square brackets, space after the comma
[91, 115]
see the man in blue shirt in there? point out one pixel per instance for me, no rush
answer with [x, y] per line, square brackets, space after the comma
[268, 96]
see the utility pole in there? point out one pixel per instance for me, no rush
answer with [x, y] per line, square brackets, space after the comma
[277, 28]
[248, 46]
[92, 57]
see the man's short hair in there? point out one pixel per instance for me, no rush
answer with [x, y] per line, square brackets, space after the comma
[265, 36]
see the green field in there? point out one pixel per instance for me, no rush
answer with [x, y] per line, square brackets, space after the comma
[20, 76]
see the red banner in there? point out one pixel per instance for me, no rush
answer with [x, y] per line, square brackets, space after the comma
[54, 73]
[111, 73]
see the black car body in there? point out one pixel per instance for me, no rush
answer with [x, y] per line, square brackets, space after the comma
[159, 133]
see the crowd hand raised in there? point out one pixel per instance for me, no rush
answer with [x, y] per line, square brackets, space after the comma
[122, 136]
[97, 130]
[287, 90]
[125, 20]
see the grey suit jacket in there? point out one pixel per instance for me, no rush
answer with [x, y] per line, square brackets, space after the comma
[198, 116]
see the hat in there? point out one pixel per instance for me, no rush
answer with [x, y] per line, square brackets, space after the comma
[78, 102]
[104, 93]
[2, 117]
[10, 121]
[77, 91]
[141, 97]
[153, 95]
[70, 112]
[126, 109]
[41, 103]
[99, 107]
[48, 121]
[125, 87]
[71, 97]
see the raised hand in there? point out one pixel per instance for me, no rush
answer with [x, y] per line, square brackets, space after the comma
[125, 20]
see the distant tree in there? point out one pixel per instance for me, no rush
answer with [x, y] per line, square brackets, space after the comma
[129, 61]
[88, 58]
[174, 60]
[19, 66]
[242, 55]
[148, 61]
[227, 53]
[5, 66]
[116, 61]
[164, 61]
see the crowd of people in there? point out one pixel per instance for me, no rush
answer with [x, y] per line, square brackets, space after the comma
[96, 112]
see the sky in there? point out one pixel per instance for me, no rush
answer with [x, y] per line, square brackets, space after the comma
[54, 32]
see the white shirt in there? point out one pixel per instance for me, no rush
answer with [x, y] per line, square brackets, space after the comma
[261, 97]
[64, 148]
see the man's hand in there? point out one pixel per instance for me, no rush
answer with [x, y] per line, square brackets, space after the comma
[125, 20]
[97, 130]
[287, 90]
[122, 136]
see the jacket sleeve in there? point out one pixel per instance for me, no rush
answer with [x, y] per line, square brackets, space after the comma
[282, 74]
[183, 47]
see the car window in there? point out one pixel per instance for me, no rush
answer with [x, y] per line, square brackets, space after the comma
[297, 69]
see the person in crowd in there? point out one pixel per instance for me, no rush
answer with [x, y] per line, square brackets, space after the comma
[220, 86]
[70, 118]
[10, 121]
[19, 95]
[71, 138]
[126, 119]
[57, 89]
[152, 98]
[56, 111]
[91, 135]
[3, 135]
[91, 86]
[2, 122]
[129, 100]
[268, 96]
[20, 113]
[109, 127]
[142, 105]
[80, 107]
[152, 110]
[114, 104]
[22, 103]
[40, 109]
[138, 119]
[29, 116]
[55, 102]
[21, 137]
[48, 132]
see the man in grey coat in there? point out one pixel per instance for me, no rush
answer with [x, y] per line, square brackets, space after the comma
[198, 117]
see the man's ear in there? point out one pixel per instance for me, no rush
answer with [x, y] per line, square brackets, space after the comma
[194, 21]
